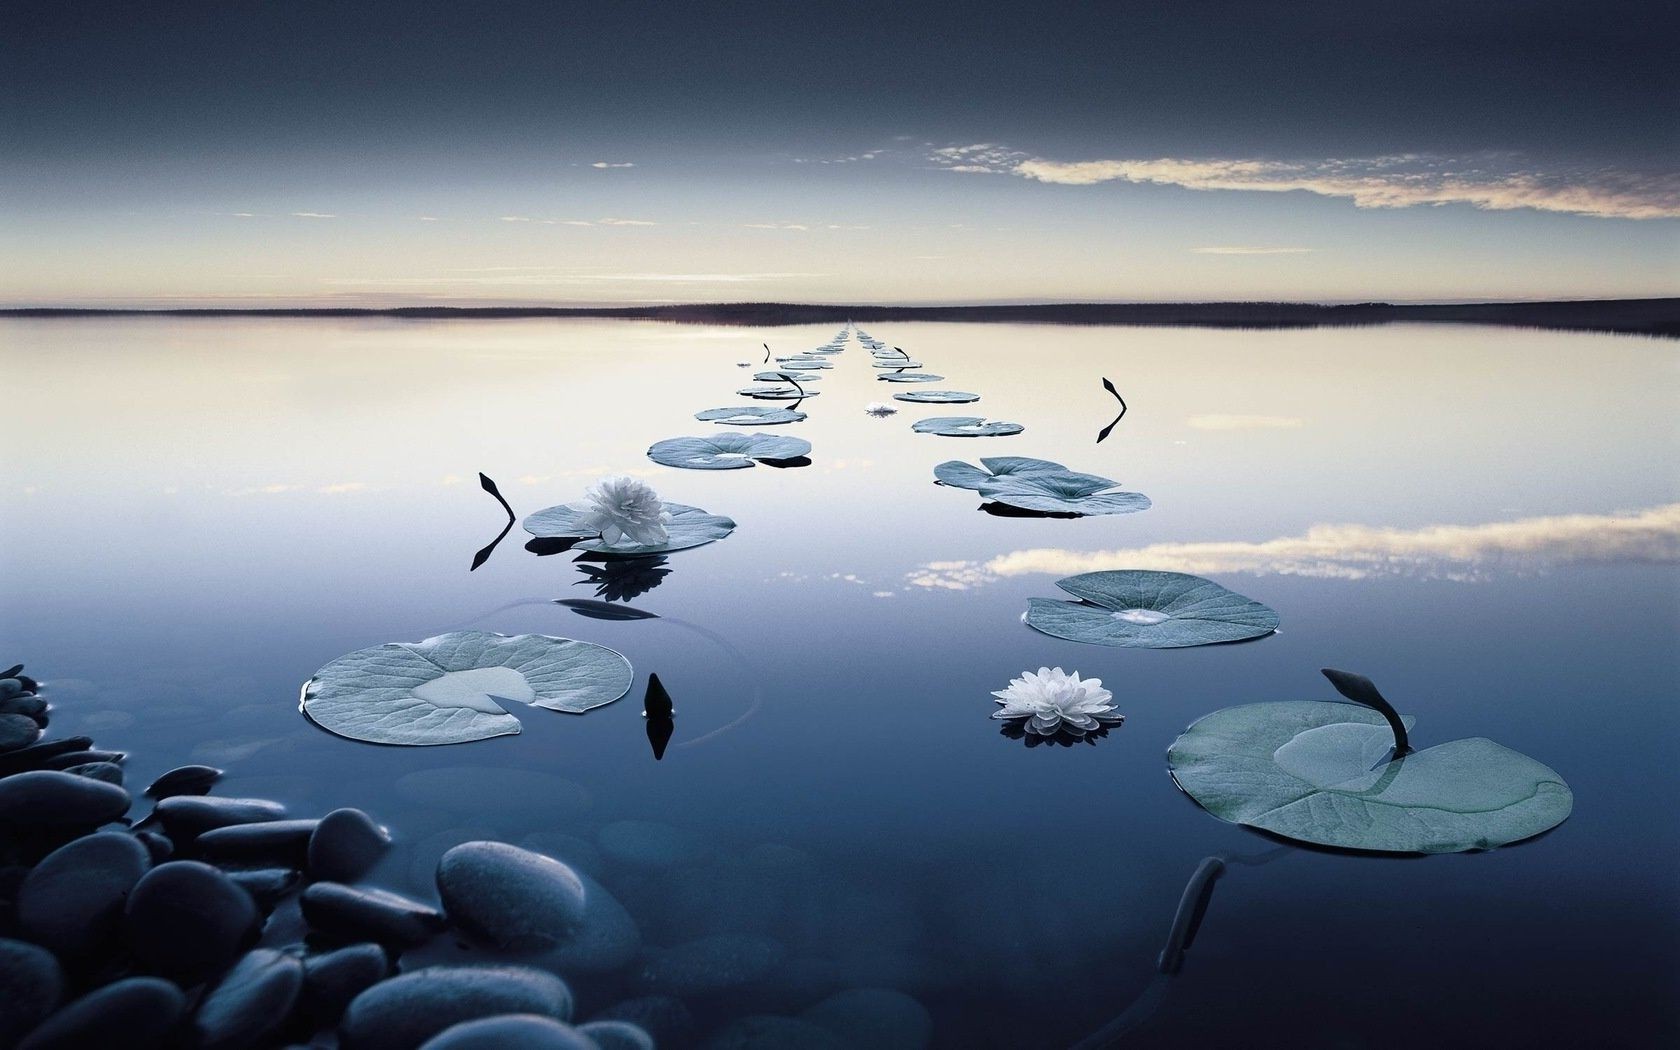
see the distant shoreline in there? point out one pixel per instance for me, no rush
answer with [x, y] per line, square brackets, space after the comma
[1650, 317]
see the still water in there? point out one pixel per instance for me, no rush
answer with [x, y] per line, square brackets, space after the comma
[200, 513]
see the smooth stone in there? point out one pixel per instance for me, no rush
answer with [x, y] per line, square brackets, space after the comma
[54, 799]
[10, 686]
[345, 845]
[510, 1032]
[405, 1011]
[766, 1032]
[31, 986]
[136, 1013]
[250, 1003]
[663, 1017]
[616, 1035]
[709, 965]
[356, 914]
[108, 772]
[72, 902]
[186, 919]
[188, 816]
[30, 757]
[184, 780]
[18, 731]
[159, 846]
[28, 705]
[284, 841]
[80, 758]
[423, 855]
[511, 897]
[267, 886]
[645, 845]
[485, 790]
[879, 1018]
[332, 979]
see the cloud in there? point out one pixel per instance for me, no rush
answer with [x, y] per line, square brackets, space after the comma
[539, 278]
[343, 488]
[313, 215]
[1493, 183]
[1216, 422]
[778, 226]
[611, 164]
[1243, 249]
[1356, 552]
[627, 222]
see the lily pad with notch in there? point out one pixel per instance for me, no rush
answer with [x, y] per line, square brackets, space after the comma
[450, 689]
[777, 392]
[965, 426]
[730, 450]
[751, 415]
[992, 469]
[1145, 609]
[1044, 487]
[689, 527]
[1344, 777]
[937, 397]
[893, 362]
[786, 377]
[908, 377]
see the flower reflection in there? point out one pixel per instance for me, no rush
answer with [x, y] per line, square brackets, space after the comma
[621, 579]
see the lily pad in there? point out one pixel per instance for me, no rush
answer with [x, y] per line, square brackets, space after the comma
[776, 393]
[909, 377]
[688, 527]
[937, 397]
[786, 377]
[804, 364]
[445, 690]
[1041, 486]
[747, 415]
[965, 426]
[730, 450]
[1143, 609]
[991, 471]
[1327, 773]
[896, 362]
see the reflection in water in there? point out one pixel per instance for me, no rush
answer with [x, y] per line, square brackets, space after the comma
[1103, 434]
[488, 549]
[657, 709]
[604, 610]
[1005, 510]
[786, 464]
[1016, 729]
[621, 579]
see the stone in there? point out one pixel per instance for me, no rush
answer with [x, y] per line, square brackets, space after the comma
[350, 913]
[250, 1003]
[273, 841]
[332, 979]
[55, 799]
[186, 817]
[509, 897]
[663, 1017]
[880, 1018]
[404, 1012]
[187, 920]
[345, 845]
[72, 902]
[17, 731]
[616, 1035]
[136, 1013]
[31, 987]
[30, 757]
[267, 886]
[510, 1032]
[109, 772]
[184, 780]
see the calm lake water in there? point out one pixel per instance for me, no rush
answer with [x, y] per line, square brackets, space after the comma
[201, 513]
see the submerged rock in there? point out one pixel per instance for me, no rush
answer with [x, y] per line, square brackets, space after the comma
[404, 1012]
[879, 1018]
[82, 758]
[351, 913]
[510, 897]
[250, 1003]
[663, 1017]
[511, 1032]
[645, 845]
[184, 780]
[282, 841]
[188, 920]
[109, 772]
[345, 845]
[32, 756]
[267, 886]
[188, 816]
[766, 1032]
[31, 986]
[136, 1013]
[709, 965]
[72, 902]
[332, 979]
[616, 1035]
[54, 799]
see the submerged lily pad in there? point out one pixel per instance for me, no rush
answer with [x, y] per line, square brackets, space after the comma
[1326, 773]
[1143, 609]
[444, 690]
[731, 450]
[688, 527]
[937, 397]
[965, 426]
[777, 393]
[909, 377]
[745, 415]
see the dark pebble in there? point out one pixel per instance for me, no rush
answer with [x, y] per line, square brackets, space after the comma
[354, 914]
[28, 705]
[31, 986]
[72, 903]
[31, 756]
[267, 886]
[184, 780]
[510, 897]
[49, 798]
[616, 1035]
[188, 816]
[663, 1017]
[510, 1032]
[17, 731]
[109, 772]
[250, 1003]
[403, 1012]
[137, 1013]
[278, 841]
[82, 758]
[332, 979]
[345, 846]
[157, 845]
[188, 920]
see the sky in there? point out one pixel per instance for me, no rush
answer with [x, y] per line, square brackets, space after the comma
[374, 154]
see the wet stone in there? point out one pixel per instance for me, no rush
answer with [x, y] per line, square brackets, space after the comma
[879, 1018]
[32, 756]
[332, 979]
[81, 758]
[345, 845]
[72, 902]
[31, 986]
[54, 799]
[188, 920]
[136, 1013]
[17, 731]
[267, 886]
[616, 1035]
[109, 772]
[250, 1003]
[355, 914]
[510, 897]
[512, 1032]
[188, 816]
[278, 841]
[404, 1012]
[663, 1017]
[28, 705]
[184, 780]
[157, 845]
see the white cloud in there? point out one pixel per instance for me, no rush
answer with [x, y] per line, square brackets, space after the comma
[1244, 249]
[1494, 183]
[777, 226]
[1217, 422]
[611, 164]
[313, 215]
[1355, 552]
[627, 222]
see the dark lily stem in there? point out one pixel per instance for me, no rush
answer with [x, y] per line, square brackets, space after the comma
[1110, 428]
[484, 552]
[901, 353]
[1362, 690]
[766, 352]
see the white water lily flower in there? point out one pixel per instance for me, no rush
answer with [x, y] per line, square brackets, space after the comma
[624, 511]
[877, 408]
[1054, 701]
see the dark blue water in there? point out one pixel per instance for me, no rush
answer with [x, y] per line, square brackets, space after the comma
[200, 514]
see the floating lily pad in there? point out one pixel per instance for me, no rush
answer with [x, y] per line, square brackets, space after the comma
[748, 415]
[785, 377]
[992, 470]
[896, 363]
[776, 393]
[965, 426]
[1327, 773]
[445, 690]
[731, 450]
[688, 527]
[909, 377]
[1142, 609]
[1041, 486]
[937, 397]
[802, 364]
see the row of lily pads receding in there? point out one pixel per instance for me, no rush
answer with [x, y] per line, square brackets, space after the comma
[1331, 774]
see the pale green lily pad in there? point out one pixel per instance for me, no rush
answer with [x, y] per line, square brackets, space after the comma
[450, 689]
[1323, 773]
[730, 450]
[937, 397]
[786, 377]
[1143, 609]
[1042, 486]
[776, 393]
[804, 364]
[688, 527]
[992, 470]
[896, 362]
[909, 377]
[749, 415]
[965, 426]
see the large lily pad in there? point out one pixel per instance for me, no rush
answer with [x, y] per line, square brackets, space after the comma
[965, 426]
[730, 450]
[937, 397]
[748, 415]
[776, 392]
[786, 377]
[896, 362]
[1326, 773]
[1041, 486]
[688, 527]
[450, 689]
[909, 377]
[1143, 609]
[991, 471]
